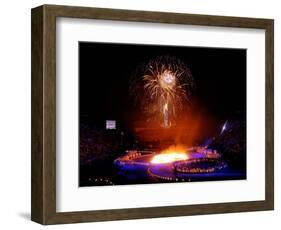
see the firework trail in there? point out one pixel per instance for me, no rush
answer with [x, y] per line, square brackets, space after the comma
[161, 87]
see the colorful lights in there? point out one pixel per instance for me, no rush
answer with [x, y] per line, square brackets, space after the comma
[164, 81]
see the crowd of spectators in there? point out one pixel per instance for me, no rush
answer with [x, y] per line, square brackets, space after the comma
[98, 144]
[231, 143]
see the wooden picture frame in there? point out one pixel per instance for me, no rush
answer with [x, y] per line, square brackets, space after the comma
[43, 208]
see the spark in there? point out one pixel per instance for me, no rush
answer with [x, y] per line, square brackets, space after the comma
[162, 87]
[224, 127]
[166, 122]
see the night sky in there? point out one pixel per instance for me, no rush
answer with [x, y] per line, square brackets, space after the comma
[105, 71]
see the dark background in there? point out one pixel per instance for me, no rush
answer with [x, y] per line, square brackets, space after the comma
[105, 71]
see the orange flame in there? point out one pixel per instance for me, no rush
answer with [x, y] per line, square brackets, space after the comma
[172, 154]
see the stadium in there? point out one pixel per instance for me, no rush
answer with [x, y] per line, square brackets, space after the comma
[196, 164]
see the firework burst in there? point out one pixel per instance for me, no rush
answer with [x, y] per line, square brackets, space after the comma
[161, 86]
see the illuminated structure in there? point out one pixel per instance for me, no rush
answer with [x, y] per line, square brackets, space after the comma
[194, 164]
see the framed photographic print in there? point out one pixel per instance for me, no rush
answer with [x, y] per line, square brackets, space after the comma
[148, 114]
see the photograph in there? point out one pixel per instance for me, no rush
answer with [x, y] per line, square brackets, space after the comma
[161, 114]
[141, 114]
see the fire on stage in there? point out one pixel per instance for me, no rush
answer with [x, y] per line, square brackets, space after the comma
[174, 165]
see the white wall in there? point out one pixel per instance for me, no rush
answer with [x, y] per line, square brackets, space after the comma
[15, 113]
